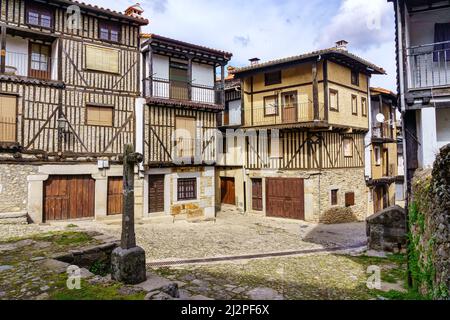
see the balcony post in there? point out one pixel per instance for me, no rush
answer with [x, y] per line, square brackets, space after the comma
[189, 75]
[222, 82]
[315, 92]
[3, 49]
[149, 61]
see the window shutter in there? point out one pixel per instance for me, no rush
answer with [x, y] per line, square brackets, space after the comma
[8, 118]
[102, 59]
[349, 199]
[99, 116]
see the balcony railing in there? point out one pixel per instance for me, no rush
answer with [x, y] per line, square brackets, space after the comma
[429, 65]
[182, 90]
[33, 66]
[277, 115]
[382, 131]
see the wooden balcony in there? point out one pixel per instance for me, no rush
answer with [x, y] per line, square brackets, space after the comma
[429, 65]
[382, 132]
[35, 66]
[183, 91]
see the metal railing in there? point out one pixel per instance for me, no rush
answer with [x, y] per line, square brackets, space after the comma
[262, 115]
[7, 129]
[429, 65]
[33, 66]
[182, 90]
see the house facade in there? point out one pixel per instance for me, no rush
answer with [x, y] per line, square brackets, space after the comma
[69, 82]
[179, 123]
[305, 119]
[382, 152]
[423, 56]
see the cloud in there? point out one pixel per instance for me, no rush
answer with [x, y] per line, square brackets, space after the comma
[365, 24]
[241, 40]
[157, 6]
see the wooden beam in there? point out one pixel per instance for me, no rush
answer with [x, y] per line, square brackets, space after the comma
[222, 82]
[326, 86]
[150, 71]
[315, 92]
[3, 49]
[189, 76]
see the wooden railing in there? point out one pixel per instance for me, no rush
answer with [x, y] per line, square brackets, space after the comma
[276, 115]
[182, 90]
[7, 129]
[382, 131]
[429, 65]
[34, 66]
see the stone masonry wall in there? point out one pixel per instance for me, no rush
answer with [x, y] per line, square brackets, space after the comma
[14, 186]
[429, 222]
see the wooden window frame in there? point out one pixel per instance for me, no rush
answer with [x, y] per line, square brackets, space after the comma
[181, 195]
[95, 105]
[271, 82]
[277, 107]
[364, 107]
[40, 10]
[354, 76]
[334, 197]
[355, 110]
[350, 199]
[16, 131]
[91, 69]
[334, 91]
[49, 60]
[343, 147]
[110, 27]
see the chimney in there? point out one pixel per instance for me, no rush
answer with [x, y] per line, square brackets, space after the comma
[342, 45]
[135, 11]
[254, 61]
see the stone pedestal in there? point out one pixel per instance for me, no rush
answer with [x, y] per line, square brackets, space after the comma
[128, 265]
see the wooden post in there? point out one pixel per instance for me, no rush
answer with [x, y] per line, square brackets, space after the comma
[189, 76]
[3, 49]
[222, 82]
[315, 92]
[130, 160]
[326, 90]
[150, 71]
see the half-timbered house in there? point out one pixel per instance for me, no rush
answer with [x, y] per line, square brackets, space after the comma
[69, 80]
[179, 123]
[316, 106]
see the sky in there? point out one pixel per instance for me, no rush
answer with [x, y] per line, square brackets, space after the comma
[272, 29]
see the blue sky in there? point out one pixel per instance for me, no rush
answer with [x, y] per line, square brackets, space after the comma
[270, 29]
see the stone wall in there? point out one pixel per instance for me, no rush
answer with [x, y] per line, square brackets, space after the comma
[14, 186]
[429, 219]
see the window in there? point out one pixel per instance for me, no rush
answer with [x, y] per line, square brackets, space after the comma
[364, 106]
[349, 199]
[399, 192]
[39, 16]
[348, 147]
[334, 100]
[377, 155]
[102, 59]
[354, 105]
[441, 36]
[109, 31]
[271, 106]
[8, 118]
[334, 197]
[40, 61]
[355, 78]
[272, 78]
[187, 189]
[99, 115]
[185, 136]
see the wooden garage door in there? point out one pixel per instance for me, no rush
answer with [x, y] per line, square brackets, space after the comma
[257, 200]
[69, 197]
[228, 190]
[115, 195]
[156, 193]
[285, 198]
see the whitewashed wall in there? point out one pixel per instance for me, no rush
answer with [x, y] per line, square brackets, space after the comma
[443, 126]
[235, 112]
[17, 55]
[161, 71]
[203, 75]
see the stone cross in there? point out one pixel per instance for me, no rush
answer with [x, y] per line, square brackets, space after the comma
[128, 261]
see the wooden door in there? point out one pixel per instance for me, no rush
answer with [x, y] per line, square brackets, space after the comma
[179, 82]
[257, 198]
[40, 62]
[8, 118]
[377, 199]
[228, 191]
[156, 194]
[69, 197]
[115, 195]
[185, 138]
[285, 198]
[289, 100]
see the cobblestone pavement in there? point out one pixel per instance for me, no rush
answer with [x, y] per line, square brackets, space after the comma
[232, 234]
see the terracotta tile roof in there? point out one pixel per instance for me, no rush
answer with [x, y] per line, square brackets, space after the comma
[26, 80]
[93, 7]
[227, 55]
[331, 51]
[375, 90]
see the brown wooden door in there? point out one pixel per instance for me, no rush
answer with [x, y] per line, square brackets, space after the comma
[257, 199]
[228, 190]
[285, 198]
[69, 197]
[156, 194]
[289, 100]
[115, 195]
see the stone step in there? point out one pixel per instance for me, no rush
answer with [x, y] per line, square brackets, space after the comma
[14, 218]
